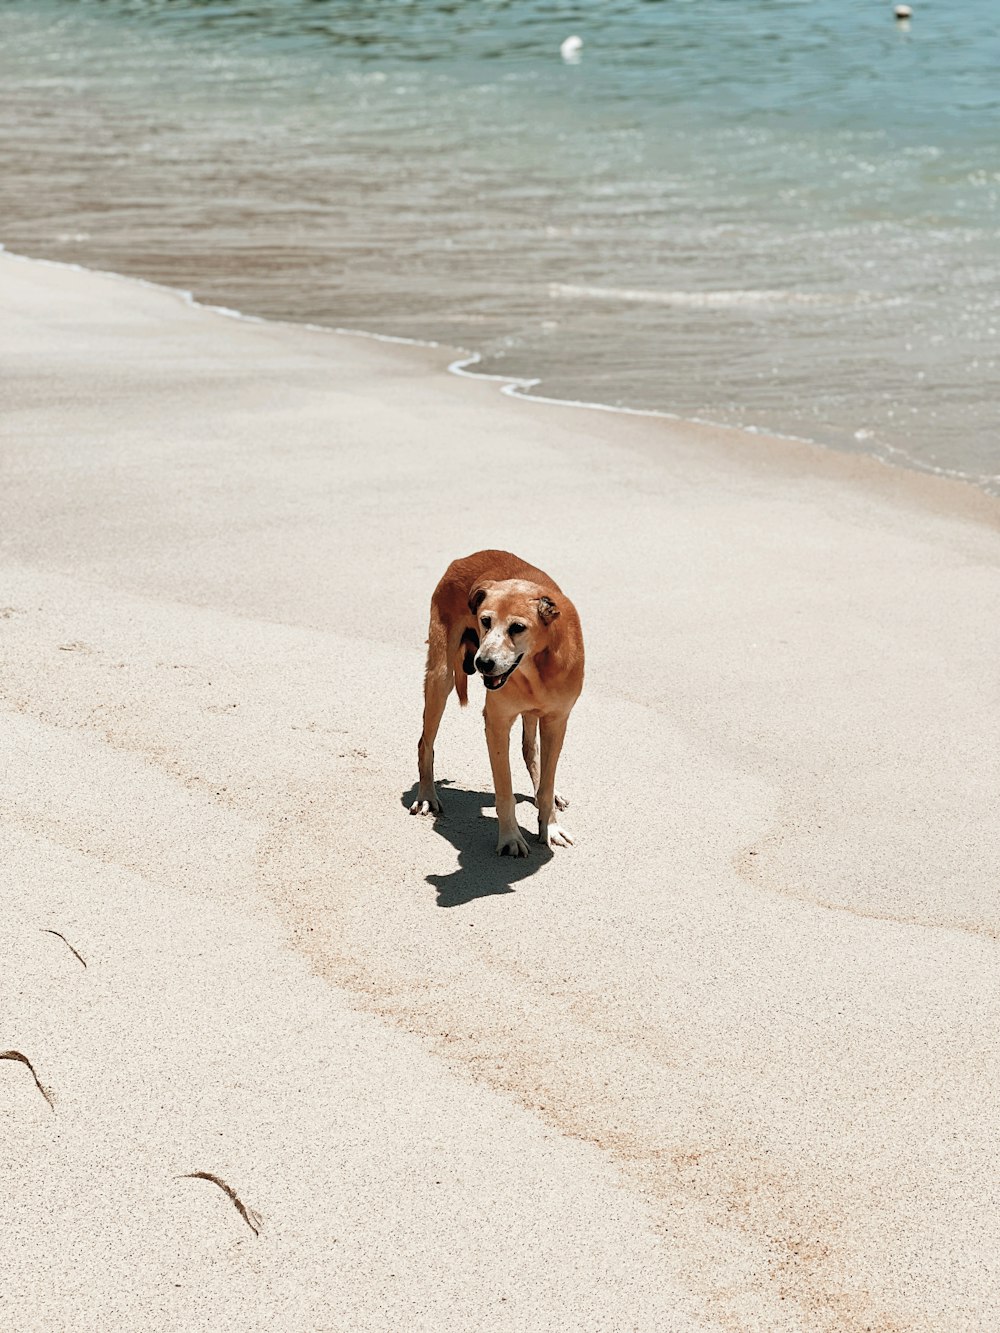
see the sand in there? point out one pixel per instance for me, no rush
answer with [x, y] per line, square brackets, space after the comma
[730, 1062]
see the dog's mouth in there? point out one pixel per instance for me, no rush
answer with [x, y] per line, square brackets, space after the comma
[498, 682]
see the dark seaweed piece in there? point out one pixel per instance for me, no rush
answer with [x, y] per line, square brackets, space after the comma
[23, 1059]
[251, 1218]
[46, 931]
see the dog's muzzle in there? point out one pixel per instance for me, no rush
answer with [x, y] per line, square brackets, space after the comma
[498, 682]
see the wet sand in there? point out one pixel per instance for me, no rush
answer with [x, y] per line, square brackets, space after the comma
[729, 1062]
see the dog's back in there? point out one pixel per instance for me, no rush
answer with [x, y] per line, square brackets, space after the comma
[462, 575]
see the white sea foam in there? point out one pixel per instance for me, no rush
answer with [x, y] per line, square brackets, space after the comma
[723, 300]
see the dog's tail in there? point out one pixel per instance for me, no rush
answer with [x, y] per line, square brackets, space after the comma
[466, 664]
[462, 687]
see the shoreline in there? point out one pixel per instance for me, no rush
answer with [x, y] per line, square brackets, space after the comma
[857, 465]
[717, 1066]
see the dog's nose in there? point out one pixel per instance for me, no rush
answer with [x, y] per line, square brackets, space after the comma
[485, 665]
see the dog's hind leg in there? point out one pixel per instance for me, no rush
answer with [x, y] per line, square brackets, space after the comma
[550, 833]
[438, 681]
[529, 748]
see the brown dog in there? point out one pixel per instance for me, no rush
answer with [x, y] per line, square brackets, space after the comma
[494, 614]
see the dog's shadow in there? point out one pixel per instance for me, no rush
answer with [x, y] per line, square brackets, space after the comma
[480, 873]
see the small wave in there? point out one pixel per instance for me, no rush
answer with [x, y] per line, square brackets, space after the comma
[518, 387]
[722, 300]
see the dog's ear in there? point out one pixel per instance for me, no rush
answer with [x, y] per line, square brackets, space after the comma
[547, 610]
[477, 597]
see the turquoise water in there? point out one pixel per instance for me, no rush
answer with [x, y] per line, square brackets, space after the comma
[782, 214]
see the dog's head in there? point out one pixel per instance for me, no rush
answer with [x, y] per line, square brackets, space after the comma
[513, 619]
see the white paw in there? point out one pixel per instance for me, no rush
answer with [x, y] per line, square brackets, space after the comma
[426, 805]
[511, 844]
[554, 835]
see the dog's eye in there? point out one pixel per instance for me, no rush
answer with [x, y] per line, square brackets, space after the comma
[518, 629]
[485, 622]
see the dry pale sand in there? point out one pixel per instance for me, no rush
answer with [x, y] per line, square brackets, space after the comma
[730, 1062]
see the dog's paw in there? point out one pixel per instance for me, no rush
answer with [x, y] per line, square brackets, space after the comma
[511, 844]
[426, 805]
[554, 835]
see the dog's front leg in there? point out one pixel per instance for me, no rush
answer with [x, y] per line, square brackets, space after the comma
[550, 833]
[510, 841]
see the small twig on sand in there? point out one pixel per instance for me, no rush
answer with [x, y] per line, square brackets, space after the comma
[252, 1219]
[23, 1059]
[46, 931]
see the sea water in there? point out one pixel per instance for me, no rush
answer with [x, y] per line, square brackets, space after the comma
[781, 214]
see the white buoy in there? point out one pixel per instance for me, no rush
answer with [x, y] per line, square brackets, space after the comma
[903, 12]
[571, 48]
